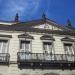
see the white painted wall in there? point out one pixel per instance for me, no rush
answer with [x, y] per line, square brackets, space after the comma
[37, 44]
[13, 69]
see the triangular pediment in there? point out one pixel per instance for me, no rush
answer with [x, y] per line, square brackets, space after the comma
[42, 24]
[49, 24]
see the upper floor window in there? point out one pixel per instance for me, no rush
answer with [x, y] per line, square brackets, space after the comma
[47, 46]
[47, 43]
[68, 48]
[25, 46]
[68, 45]
[3, 46]
[25, 42]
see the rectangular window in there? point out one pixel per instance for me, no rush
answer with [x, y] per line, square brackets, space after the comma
[3, 46]
[68, 48]
[25, 46]
[69, 52]
[47, 46]
[48, 50]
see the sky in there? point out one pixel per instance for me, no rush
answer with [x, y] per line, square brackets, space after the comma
[56, 10]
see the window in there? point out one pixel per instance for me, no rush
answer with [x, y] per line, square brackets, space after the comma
[25, 46]
[3, 46]
[48, 50]
[47, 46]
[69, 51]
[68, 48]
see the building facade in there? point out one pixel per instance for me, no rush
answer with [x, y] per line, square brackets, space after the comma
[39, 47]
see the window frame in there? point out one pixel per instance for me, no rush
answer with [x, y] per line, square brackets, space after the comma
[67, 42]
[48, 41]
[25, 39]
[8, 42]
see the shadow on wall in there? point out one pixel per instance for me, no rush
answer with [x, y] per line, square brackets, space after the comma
[57, 74]
[51, 74]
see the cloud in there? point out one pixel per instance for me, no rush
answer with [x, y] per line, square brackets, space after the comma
[23, 7]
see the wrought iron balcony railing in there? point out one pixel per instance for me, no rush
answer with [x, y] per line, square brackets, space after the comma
[41, 57]
[4, 57]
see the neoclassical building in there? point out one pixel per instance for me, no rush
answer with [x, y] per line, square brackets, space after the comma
[37, 47]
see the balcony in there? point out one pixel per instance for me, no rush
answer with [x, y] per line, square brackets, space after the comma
[4, 58]
[47, 60]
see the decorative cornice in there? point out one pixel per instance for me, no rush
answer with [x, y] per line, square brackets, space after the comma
[25, 36]
[47, 37]
[9, 36]
[67, 39]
